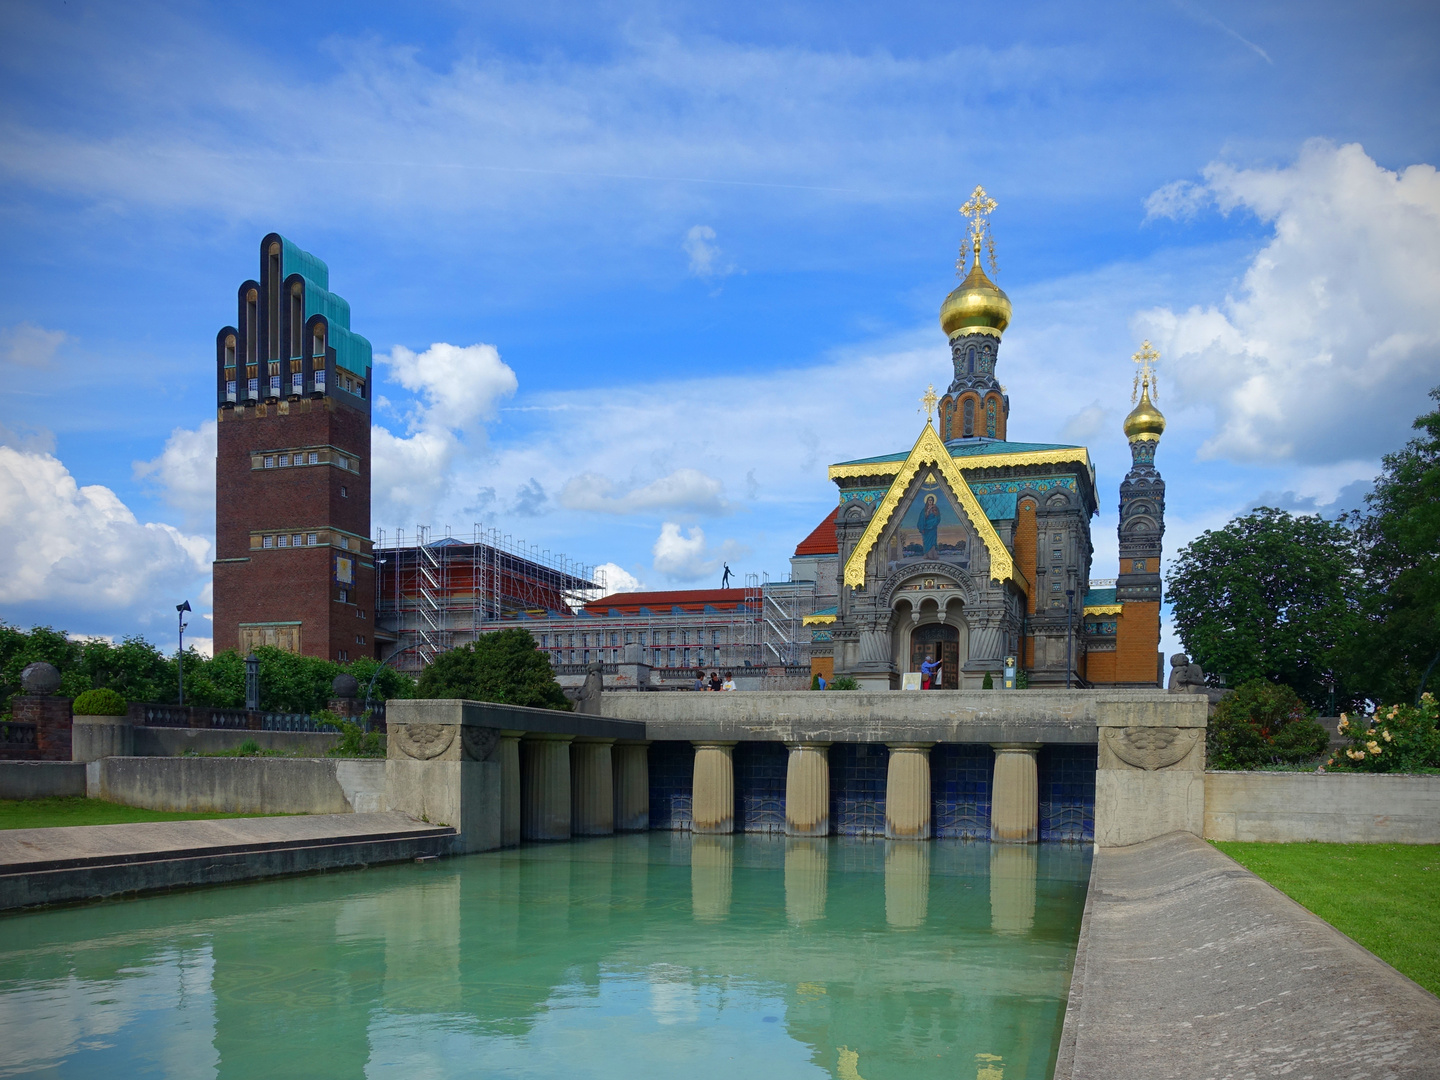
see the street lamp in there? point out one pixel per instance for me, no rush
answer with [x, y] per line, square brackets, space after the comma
[180, 610]
[1069, 615]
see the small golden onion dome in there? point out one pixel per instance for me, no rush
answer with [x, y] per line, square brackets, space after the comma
[1145, 420]
[976, 304]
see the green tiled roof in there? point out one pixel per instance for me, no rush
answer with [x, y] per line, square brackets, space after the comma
[1099, 596]
[352, 351]
[970, 450]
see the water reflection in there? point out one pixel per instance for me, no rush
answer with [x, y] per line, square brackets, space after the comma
[645, 955]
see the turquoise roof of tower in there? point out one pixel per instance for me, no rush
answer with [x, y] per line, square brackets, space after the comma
[970, 450]
[1099, 596]
[352, 351]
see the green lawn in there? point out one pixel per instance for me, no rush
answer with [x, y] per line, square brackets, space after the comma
[43, 813]
[1383, 895]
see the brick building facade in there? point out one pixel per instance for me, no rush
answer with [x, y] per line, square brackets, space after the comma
[294, 565]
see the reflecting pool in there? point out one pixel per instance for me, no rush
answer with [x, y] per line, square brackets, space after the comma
[653, 955]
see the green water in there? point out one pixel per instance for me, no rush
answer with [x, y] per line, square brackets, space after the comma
[652, 955]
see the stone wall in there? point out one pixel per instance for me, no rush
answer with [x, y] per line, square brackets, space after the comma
[1331, 807]
[241, 785]
[41, 779]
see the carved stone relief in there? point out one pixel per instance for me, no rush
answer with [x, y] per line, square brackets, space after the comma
[423, 741]
[479, 743]
[1150, 748]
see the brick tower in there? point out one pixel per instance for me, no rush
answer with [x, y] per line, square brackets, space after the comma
[294, 566]
[1142, 528]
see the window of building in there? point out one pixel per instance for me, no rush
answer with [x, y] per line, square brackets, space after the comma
[282, 541]
[584, 639]
[284, 460]
[269, 462]
[544, 640]
[969, 417]
[313, 458]
[360, 612]
[345, 542]
[670, 638]
[344, 596]
[274, 385]
[297, 540]
[672, 657]
[344, 494]
[311, 539]
[715, 637]
[614, 639]
[320, 379]
[297, 382]
[359, 639]
[268, 541]
[1057, 555]
[341, 654]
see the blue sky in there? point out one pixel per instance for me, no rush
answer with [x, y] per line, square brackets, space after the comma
[638, 273]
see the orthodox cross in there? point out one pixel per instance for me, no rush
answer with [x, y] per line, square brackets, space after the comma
[978, 209]
[1146, 358]
[928, 399]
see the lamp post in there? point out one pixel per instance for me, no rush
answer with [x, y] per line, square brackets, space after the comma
[180, 610]
[252, 682]
[1069, 637]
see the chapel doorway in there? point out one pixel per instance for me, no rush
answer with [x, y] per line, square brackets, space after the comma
[939, 642]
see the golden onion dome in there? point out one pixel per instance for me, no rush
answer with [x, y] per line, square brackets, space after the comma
[976, 304]
[1145, 420]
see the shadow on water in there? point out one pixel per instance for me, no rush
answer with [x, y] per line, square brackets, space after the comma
[645, 955]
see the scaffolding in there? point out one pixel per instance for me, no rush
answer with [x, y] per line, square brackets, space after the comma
[433, 594]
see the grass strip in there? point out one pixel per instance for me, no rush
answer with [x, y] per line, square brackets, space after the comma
[78, 810]
[1383, 895]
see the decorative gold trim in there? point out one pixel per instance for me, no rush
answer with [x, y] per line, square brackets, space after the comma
[930, 452]
[979, 461]
[966, 331]
[1102, 609]
[817, 620]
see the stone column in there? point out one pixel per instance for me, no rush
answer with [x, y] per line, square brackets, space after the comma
[907, 884]
[439, 768]
[712, 860]
[1013, 868]
[1015, 794]
[807, 790]
[631, 758]
[1150, 776]
[907, 792]
[807, 867]
[507, 753]
[713, 790]
[592, 787]
[545, 787]
[96, 737]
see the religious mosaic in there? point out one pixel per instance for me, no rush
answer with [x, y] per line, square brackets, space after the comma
[931, 528]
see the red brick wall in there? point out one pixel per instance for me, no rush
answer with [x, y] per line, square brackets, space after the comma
[292, 584]
[1137, 643]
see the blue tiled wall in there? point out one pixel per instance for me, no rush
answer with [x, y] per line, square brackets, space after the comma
[960, 776]
[857, 788]
[672, 773]
[1067, 793]
[760, 786]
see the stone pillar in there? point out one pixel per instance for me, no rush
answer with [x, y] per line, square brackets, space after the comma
[807, 790]
[712, 860]
[907, 884]
[438, 768]
[592, 787]
[1015, 794]
[807, 869]
[37, 704]
[1013, 868]
[713, 789]
[96, 737]
[507, 752]
[545, 787]
[1150, 776]
[907, 792]
[631, 758]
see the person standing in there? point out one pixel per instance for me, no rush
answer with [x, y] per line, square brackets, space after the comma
[699, 683]
[729, 683]
[928, 667]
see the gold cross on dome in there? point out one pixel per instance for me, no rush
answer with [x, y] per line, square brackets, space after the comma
[978, 209]
[928, 399]
[1146, 358]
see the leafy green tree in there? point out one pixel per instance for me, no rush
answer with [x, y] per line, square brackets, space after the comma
[389, 683]
[502, 666]
[1399, 542]
[1272, 596]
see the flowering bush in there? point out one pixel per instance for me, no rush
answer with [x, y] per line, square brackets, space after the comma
[1262, 723]
[1397, 738]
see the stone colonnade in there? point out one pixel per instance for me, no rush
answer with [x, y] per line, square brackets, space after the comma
[555, 786]
[1014, 793]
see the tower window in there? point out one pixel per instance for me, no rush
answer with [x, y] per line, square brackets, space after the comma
[313, 458]
[310, 539]
[269, 462]
[283, 541]
[284, 460]
[970, 412]
[1056, 555]
[344, 492]
[359, 639]
[296, 540]
[344, 596]
[970, 359]
[269, 541]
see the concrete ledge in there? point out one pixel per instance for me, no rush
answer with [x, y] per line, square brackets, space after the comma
[508, 718]
[968, 716]
[41, 779]
[1188, 965]
[242, 785]
[1341, 808]
[49, 866]
[172, 742]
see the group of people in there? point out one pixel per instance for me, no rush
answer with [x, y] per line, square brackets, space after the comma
[714, 682]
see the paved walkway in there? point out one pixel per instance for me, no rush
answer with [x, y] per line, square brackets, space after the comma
[1191, 966]
[45, 866]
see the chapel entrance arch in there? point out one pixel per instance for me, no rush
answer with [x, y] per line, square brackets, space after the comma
[938, 641]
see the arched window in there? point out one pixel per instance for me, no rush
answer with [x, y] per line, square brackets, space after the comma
[272, 297]
[970, 360]
[229, 367]
[990, 417]
[970, 411]
[252, 344]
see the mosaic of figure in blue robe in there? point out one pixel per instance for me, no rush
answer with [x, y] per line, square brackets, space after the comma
[929, 525]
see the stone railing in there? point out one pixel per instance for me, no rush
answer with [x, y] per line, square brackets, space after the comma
[205, 716]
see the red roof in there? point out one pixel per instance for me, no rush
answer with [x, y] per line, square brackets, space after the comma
[661, 602]
[822, 541]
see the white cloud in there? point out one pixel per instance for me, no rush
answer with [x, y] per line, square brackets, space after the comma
[1092, 421]
[1335, 333]
[617, 579]
[30, 345]
[687, 490]
[684, 555]
[1179, 200]
[704, 253]
[72, 548]
[185, 472]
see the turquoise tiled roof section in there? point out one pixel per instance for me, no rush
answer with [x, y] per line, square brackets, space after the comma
[352, 351]
[1100, 596]
[983, 448]
[826, 611]
[295, 261]
[999, 506]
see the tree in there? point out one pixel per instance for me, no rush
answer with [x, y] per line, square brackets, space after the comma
[1262, 723]
[1272, 595]
[503, 666]
[1399, 543]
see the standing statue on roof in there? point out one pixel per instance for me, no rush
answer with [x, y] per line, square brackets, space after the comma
[725, 578]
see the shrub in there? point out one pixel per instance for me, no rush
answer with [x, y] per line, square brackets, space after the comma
[988, 683]
[1262, 723]
[355, 741]
[1022, 680]
[99, 703]
[1397, 738]
[844, 682]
